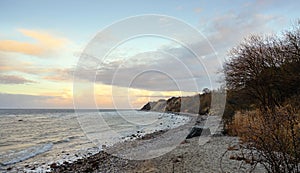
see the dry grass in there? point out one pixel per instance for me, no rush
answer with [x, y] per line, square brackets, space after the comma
[271, 136]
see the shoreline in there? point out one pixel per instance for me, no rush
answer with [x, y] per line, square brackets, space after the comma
[189, 155]
[111, 159]
[46, 166]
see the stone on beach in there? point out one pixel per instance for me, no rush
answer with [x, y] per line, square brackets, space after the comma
[198, 131]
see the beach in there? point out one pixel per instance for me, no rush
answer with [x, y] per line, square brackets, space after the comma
[34, 139]
[199, 154]
[162, 150]
[189, 156]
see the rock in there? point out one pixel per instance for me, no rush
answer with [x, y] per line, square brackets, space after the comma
[233, 148]
[178, 160]
[173, 104]
[198, 131]
[232, 157]
[185, 142]
[204, 111]
[9, 168]
[79, 161]
[239, 158]
[146, 107]
[196, 104]
[53, 165]
[159, 106]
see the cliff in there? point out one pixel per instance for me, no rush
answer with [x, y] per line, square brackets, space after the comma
[197, 104]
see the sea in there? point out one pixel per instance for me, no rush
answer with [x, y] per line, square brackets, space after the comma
[32, 139]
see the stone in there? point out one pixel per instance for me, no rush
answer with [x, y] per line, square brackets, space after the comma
[146, 107]
[53, 165]
[198, 131]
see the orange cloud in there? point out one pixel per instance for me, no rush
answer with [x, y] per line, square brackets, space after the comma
[59, 75]
[60, 98]
[44, 43]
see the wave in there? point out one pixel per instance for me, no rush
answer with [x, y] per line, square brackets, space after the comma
[25, 154]
[62, 141]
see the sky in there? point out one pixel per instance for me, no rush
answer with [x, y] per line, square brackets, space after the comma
[122, 54]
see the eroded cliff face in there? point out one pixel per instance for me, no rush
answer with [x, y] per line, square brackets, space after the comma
[197, 104]
[158, 106]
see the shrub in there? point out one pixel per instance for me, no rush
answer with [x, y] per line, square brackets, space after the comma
[270, 137]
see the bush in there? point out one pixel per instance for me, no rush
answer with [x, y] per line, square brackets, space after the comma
[270, 137]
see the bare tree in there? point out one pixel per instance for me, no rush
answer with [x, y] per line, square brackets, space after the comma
[267, 71]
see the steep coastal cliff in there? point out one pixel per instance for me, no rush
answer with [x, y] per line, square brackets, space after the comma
[197, 104]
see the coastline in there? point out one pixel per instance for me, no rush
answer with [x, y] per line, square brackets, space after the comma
[187, 156]
[110, 159]
[68, 157]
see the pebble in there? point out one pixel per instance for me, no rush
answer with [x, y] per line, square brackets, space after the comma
[53, 165]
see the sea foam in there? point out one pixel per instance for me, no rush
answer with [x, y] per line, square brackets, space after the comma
[27, 153]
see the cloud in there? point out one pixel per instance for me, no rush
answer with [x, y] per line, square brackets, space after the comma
[10, 65]
[12, 79]
[44, 43]
[33, 101]
[168, 69]
[21, 100]
[175, 68]
[227, 30]
[59, 75]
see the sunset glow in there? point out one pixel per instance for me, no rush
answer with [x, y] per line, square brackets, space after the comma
[41, 43]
